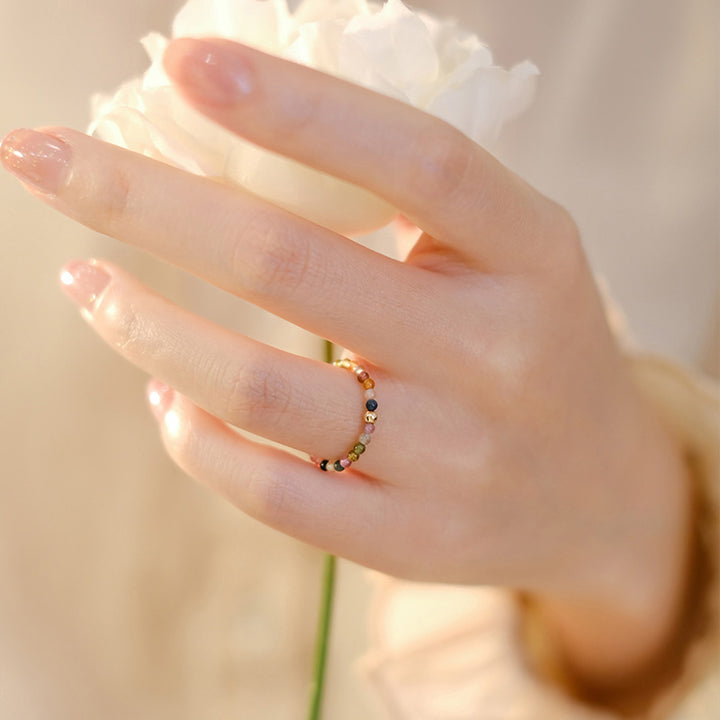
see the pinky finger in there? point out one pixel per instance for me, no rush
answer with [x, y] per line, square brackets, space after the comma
[339, 514]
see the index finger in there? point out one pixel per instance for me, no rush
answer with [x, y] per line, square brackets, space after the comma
[443, 181]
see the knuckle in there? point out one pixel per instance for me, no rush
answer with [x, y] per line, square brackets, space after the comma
[256, 394]
[269, 256]
[443, 160]
[271, 498]
[299, 113]
[123, 326]
[115, 200]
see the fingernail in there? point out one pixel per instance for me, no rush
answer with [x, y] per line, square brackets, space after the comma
[37, 159]
[84, 282]
[160, 397]
[211, 73]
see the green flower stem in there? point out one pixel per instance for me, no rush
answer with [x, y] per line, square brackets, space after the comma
[326, 608]
[323, 637]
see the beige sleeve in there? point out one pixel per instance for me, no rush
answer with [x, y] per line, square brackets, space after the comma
[690, 406]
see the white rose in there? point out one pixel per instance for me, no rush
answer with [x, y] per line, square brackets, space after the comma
[407, 55]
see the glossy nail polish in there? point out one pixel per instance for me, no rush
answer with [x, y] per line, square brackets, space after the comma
[160, 397]
[210, 72]
[37, 159]
[84, 283]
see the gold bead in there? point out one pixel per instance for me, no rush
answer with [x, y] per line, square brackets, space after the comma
[369, 384]
[371, 417]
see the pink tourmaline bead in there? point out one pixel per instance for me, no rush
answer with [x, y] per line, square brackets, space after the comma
[345, 463]
[369, 429]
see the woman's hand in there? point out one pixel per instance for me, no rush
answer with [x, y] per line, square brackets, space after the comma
[511, 447]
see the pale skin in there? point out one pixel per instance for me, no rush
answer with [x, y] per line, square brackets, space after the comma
[512, 448]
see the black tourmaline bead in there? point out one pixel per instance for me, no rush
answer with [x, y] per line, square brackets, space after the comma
[323, 465]
[339, 467]
[371, 405]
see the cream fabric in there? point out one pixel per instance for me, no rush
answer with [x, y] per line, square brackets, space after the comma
[125, 591]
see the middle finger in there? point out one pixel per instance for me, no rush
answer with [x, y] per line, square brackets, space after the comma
[309, 275]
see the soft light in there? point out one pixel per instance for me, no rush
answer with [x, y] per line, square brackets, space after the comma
[172, 423]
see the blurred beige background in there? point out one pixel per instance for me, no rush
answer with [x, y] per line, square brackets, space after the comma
[125, 590]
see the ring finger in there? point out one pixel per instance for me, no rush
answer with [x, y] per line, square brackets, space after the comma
[297, 402]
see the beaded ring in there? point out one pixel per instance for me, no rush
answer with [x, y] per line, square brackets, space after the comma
[369, 419]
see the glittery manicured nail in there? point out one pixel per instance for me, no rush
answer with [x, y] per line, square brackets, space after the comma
[160, 397]
[210, 72]
[84, 282]
[36, 158]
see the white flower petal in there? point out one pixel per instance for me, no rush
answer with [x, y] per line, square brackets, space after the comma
[130, 128]
[312, 11]
[177, 127]
[263, 24]
[317, 45]
[414, 57]
[522, 82]
[155, 45]
[455, 46]
[393, 44]
[320, 198]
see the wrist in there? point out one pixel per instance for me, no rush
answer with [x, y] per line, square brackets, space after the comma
[614, 633]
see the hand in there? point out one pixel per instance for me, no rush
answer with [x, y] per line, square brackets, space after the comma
[511, 447]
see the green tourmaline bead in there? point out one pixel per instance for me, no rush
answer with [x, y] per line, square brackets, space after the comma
[353, 456]
[359, 449]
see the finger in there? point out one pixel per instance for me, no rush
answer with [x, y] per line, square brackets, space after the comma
[344, 515]
[438, 177]
[304, 273]
[304, 404]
